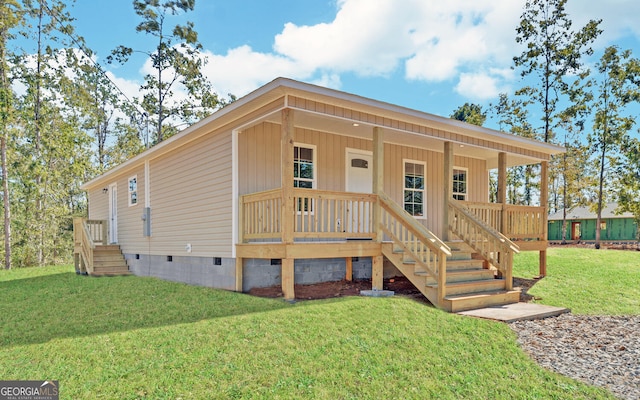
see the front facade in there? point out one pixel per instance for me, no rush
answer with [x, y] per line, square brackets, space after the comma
[581, 225]
[293, 183]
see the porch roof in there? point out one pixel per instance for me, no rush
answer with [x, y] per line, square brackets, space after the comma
[342, 113]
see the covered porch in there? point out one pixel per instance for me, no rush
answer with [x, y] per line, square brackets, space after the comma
[289, 223]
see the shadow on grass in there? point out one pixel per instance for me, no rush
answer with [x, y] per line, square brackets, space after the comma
[39, 309]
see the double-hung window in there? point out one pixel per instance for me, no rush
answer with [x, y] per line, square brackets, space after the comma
[304, 172]
[460, 183]
[414, 193]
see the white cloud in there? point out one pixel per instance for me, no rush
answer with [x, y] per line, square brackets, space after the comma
[469, 43]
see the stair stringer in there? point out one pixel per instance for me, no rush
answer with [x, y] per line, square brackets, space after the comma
[408, 270]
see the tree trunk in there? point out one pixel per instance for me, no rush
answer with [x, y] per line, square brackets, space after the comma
[6, 202]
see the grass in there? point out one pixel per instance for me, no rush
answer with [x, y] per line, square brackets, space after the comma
[587, 281]
[133, 337]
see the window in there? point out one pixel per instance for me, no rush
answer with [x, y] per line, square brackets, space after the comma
[303, 167]
[133, 191]
[460, 184]
[414, 188]
[304, 172]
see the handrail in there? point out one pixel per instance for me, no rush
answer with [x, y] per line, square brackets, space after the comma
[429, 237]
[86, 234]
[491, 244]
[424, 247]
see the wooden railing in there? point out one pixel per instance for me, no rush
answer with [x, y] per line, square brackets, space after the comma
[524, 222]
[86, 233]
[260, 215]
[318, 214]
[323, 214]
[492, 245]
[515, 222]
[425, 248]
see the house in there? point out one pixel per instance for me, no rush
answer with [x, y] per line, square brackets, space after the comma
[581, 225]
[296, 183]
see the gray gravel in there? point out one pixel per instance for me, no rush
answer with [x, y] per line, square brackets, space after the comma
[598, 350]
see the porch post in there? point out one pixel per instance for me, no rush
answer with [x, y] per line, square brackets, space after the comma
[377, 272]
[544, 203]
[378, 179]
[377, 262]
[447, 191]
[288, 209]
[502, 187]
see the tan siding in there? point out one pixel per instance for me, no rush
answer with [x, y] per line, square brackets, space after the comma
[130, 225]
[191, 190]
[259, 158]
[478, 178]
[98, 204]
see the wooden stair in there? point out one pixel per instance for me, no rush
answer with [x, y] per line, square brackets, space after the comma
[109, 261]
[468, 285]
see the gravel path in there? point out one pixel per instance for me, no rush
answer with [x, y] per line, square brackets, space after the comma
[598, 350]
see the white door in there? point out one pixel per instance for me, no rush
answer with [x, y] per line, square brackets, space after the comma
[359, 179]
[359, 171]
[113, 213]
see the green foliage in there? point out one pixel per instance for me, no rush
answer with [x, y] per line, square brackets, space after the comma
[177, 62]
[131, 337]
[587, 281]
[553, 52]
[470, 113]
[615, 87]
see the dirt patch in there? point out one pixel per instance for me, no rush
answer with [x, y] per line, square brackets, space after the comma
[401, 286]
[525, 284]
[325, 290]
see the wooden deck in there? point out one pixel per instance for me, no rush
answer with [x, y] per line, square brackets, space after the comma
[328, 224]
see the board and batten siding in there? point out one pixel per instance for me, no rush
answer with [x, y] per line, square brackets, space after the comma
[260, 166]
[191, 199]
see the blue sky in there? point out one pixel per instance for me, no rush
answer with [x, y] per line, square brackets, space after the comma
[430, 55]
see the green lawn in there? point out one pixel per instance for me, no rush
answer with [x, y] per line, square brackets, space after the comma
[587, 281]
[132, 337]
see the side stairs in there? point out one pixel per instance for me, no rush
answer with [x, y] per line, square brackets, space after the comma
[109, 261]
[469, 284]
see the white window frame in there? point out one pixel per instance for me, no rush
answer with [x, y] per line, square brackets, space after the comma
[130, 192]
[314, 180]
[466, 174]
[424, 189]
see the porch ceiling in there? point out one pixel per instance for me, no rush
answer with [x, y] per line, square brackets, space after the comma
[347, 127]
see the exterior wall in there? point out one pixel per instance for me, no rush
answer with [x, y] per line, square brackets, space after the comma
[129, 218]
[618, 229]
[190, 195]
[260, 169]
[191, 199]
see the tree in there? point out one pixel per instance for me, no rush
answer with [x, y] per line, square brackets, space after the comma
[513, 117]
[553, 53]
[470, 113]
[617, 86]
[177, 62]
[10, 17]
[628, 182]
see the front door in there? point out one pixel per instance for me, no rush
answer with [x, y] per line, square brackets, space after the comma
[359, 179]
[575, 231]
[113, 213]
